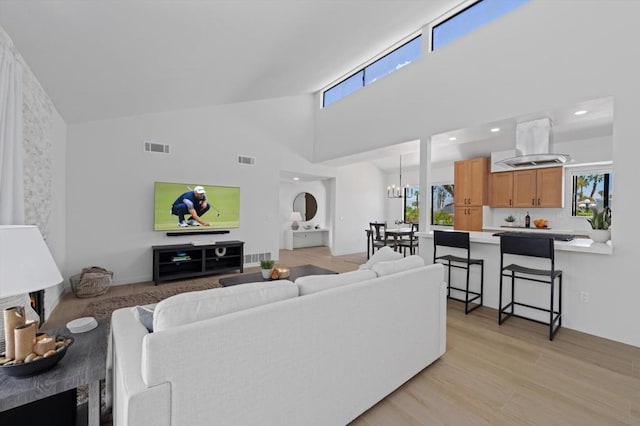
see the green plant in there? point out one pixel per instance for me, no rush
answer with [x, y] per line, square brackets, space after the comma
[267, 264]
[600, 219]
[510, 219]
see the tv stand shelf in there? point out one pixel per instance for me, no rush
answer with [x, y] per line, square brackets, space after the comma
[180, 261]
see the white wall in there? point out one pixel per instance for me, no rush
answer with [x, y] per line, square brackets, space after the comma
[110, 181]
[360, 194]
[110, 178]
[543, 55]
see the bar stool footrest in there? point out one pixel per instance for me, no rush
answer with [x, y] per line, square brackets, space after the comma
[506, 315]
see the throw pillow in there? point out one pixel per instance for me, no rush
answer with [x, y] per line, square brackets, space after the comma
[395, 266]
[382, 255]
[195, 306]
[145, 316]
[314, 283]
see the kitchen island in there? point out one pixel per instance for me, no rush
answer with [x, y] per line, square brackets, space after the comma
[578, 258]
[578, 244]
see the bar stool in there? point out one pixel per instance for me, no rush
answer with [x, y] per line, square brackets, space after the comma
[534, 247]
[459, 240]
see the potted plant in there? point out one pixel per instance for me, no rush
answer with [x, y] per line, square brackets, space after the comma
[600, 222]
[266, 266]
[510, 219]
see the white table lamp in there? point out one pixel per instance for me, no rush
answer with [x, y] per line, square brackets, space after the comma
[26, 265]
[295, 218]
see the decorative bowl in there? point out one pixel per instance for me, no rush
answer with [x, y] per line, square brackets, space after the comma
[27, 369]
[541, 223]
[283, 272]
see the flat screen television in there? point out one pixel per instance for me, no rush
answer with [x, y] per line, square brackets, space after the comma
[223, 207]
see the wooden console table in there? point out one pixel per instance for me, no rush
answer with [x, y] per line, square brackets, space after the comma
[84, 363]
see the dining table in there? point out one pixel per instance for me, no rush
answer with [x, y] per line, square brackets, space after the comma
[395, 233]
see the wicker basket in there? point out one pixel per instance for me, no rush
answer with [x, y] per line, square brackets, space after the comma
[92, 281]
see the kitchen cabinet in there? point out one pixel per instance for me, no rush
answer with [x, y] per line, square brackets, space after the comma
[470, 192]
[550, 187]
[527, 188]
[501, 189]
[470, 182]
[468, 218]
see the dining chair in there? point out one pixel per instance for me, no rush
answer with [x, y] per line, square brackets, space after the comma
[378, 236]
[411, 242]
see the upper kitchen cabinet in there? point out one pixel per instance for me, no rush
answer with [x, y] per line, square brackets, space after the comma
[470, 182]
[501, 189]
[527, 188]
[549, 187]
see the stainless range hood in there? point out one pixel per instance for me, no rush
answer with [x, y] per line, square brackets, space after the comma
[532, 146]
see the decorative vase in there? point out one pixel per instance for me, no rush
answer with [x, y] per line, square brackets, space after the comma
[600, 235]
[266, 273]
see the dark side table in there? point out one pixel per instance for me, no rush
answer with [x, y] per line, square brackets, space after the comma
[54, 390]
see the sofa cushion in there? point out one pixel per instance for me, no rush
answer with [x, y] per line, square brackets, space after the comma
[394, 266]
[314, 283]
[194, 306]
[382, 255]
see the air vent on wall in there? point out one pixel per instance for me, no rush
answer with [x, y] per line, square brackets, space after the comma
[249, 161]
[156, 147]
[256, 257]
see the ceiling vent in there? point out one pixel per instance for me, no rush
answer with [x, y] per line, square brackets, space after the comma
[248, 161]
[532, 146]
[156, 147]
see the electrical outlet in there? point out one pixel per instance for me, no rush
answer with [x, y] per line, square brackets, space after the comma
[584, 297]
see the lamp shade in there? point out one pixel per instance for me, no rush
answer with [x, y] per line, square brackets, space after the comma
[295, 217]
[26, 265]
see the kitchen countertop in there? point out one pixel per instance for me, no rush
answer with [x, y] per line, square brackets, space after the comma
[578, 244]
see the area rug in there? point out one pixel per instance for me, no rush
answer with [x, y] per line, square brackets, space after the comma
[102, 309]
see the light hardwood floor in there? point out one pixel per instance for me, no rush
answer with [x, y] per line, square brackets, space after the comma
[490, 375]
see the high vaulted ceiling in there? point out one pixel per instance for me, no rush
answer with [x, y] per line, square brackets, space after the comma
[109, 58]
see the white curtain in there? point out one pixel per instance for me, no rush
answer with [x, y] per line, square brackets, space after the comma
[11, 140]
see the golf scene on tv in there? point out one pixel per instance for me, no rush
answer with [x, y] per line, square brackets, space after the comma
[190, 206]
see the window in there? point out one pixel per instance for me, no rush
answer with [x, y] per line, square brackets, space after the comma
[591, 190]
[395, 60]
[442, 205]
[412, 204]
[387, 64]
[344, 88]
[471, 18]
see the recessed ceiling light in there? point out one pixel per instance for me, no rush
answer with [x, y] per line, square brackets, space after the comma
[495, 129]
[296, 178]
[581, 112]
[452, 138]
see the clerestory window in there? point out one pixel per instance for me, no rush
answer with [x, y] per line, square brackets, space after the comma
[392, 61]
[470, 18]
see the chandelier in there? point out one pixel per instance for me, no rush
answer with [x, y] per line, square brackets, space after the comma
[397, 191]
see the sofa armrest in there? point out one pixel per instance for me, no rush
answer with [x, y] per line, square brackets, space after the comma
[134, 403]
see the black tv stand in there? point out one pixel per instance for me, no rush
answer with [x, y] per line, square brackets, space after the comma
[180, 261]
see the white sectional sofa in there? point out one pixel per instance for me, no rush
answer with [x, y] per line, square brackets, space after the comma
[279, 353]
